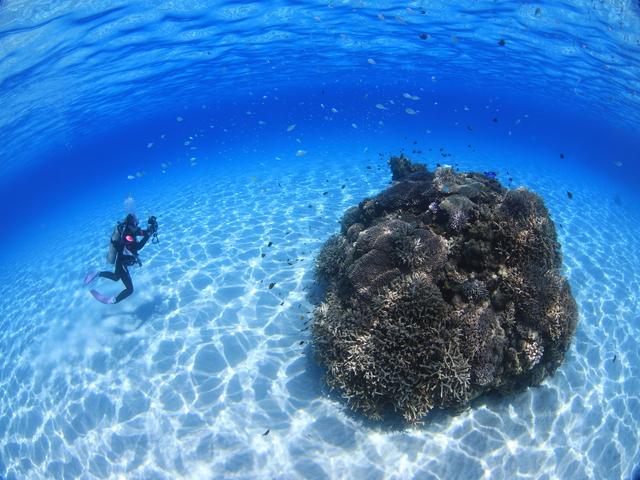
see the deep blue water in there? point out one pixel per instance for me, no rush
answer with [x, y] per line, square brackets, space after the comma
[229, 121]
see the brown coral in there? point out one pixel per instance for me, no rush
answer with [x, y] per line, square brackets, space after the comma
[440, 288]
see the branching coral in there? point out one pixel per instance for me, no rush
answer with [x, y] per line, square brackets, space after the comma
[533, 352]
[475, 291]
[441, 288]
[331, 258]
[458, 220]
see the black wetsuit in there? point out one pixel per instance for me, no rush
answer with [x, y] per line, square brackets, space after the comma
[127, 249]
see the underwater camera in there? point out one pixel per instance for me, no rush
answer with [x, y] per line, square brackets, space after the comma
[152, 228]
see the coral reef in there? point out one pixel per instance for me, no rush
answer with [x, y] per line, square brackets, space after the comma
[441, 288]
[401, 167]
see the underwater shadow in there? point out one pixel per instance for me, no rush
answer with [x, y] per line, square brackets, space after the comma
[306, 386]
[147, 310]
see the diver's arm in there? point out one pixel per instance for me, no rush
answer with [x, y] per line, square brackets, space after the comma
[144, 240]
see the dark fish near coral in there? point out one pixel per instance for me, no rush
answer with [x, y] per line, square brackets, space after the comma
[271, 285]
[570, 195]
[490, 174]
[266, 433]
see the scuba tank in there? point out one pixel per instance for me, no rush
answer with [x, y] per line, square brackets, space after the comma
[115, 236]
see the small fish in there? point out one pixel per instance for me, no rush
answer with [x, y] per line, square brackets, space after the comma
[380, 106]
[490, 174]
[354, 125]
[150, 144]
[271, 285]
[266, 433]
[501, 42]
[270, 243]
[614, 357]
[301, 153]
[562, 155]
[410, 111]
[291, 127]
[617, 163]
[262, 255]
[301, 342]
[570, 195]
[371, 61]
[179, 119]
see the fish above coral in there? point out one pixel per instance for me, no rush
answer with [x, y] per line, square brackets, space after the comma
[441, 288]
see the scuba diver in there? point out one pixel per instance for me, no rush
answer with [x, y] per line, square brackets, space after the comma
[123, 251]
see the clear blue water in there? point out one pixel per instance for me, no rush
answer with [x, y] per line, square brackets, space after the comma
[189, 108]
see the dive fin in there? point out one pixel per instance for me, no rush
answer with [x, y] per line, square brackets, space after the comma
[103, 298]
[91, 276]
